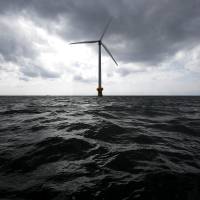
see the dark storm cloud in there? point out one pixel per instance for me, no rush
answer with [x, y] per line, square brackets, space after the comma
[147, 31]
[33, 71]
[127, 71]
[83, 80]
[14, 44]
[17, 48]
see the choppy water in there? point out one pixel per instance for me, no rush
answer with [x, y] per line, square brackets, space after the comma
[100, 148]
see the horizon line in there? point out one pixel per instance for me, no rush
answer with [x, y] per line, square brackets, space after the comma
[137, 95]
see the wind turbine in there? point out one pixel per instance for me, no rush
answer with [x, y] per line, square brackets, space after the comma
[100, 43]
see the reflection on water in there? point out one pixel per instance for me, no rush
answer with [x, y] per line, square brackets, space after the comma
[99, 148]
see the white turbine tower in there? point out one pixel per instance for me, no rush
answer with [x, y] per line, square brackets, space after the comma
[100, 43]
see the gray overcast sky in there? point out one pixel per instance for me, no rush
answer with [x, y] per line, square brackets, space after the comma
[156, 43]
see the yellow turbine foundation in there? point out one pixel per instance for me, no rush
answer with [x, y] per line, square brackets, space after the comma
[100, 94]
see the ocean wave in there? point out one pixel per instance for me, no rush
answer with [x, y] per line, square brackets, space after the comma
[50, 150]
[91, 148]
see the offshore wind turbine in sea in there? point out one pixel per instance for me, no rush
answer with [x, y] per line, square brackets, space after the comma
[100, 43]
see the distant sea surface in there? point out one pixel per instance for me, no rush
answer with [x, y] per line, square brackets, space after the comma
[99, 148]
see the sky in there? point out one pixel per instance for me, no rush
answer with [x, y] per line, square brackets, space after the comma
[155, 42]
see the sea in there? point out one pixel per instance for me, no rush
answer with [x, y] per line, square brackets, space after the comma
[85, 147]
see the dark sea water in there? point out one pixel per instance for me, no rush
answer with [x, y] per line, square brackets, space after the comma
[99, 148]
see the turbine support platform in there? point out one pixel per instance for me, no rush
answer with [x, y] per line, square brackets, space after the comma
[100, 89]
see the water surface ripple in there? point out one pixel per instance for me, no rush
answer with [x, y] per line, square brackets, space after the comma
[99, 148]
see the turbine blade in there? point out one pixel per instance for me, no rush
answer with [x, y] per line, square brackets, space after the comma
[109, 53]
[83, 42]
[105, 29]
